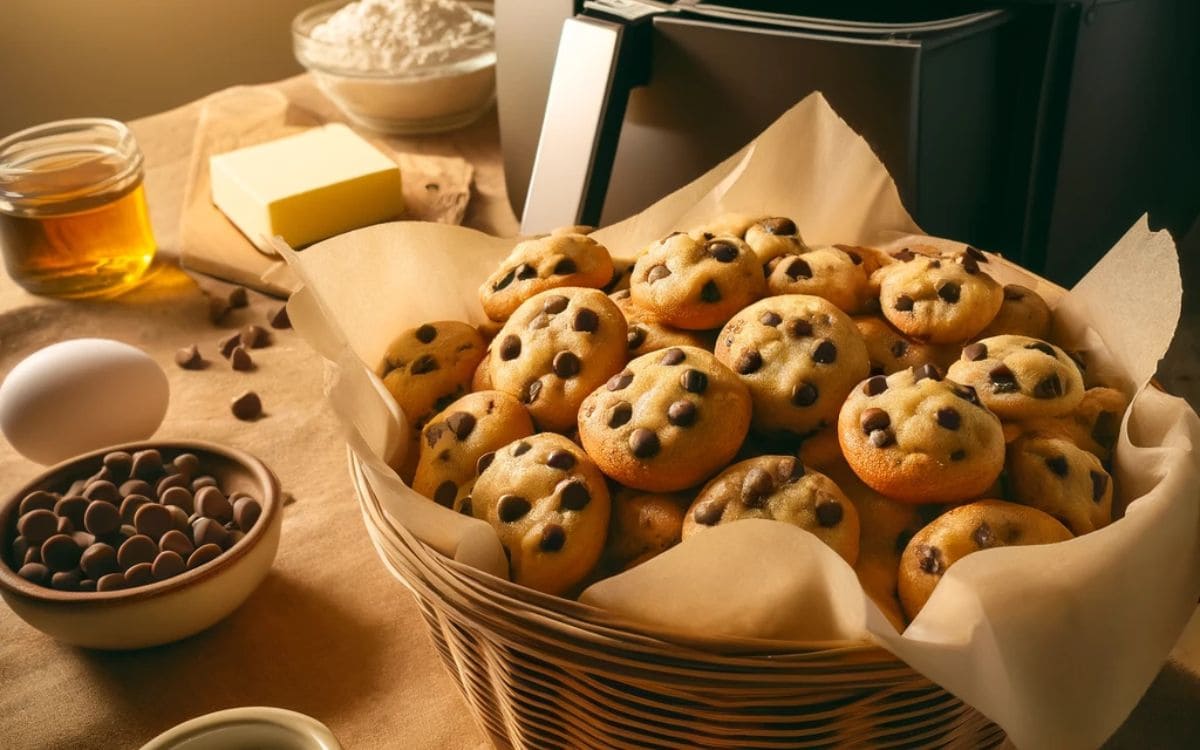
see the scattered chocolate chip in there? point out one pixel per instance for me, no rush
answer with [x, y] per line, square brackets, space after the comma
[969, 264]
[566, 364]
[709, 513]
[218, 307]
[553, 538]
[1048, 387]
[904, 255]
[526, 271]
[635, 337]
[770, 319]
[898, 348]
[505, 280]
[620, 413]
[798, 328]
[203, 555]
[461, 423]
[1013, 293]
[874, 419]
[904, 303]
[99, 560]
[789, 469]
[672, 357]
[875, 385]
[681, 413]
[279, 319]
[778, 225]
[561, 460]
[620, 381]
[804, 394]
[1042, 347]
[930, 560]
[189, 358]
[212, 503]
[983, 536]
[153, 520]
[975, 352]
[723, 251]
[521, 448]
[60, 553]
[949, 418]
[573, 494]
[38, 500]
[426, 333]
[246, 512]
[484, 461]
[510, 348]
[958, 455]
[798, 268]
[255, 337]
[38, 525]
[586, 321]
[881, 438]
[247, 406]
[975, 255]
[693, 381]
[949, 291]
[709, 292]
[1003, 380]
[748, 362]
[167, 564]
[756, 486]
[555, 304]
[1099, 485]
[935, 263]
[101, 518]
[967, 393]
[657, 273]
[1057, 464]
[136, 549]
[829, 511]
[643, 443]
[531, 392]
[565, 266]
[445, 493]
[240, 359]
[708, 236]
[228, 344]
[238, 297]
[424, 364]
[72, 507]
[825, 353]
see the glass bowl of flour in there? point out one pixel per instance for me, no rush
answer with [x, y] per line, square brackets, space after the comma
[400, 66]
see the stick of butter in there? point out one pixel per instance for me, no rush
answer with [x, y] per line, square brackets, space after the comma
[306, 187]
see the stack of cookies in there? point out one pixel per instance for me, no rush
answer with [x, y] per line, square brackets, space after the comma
[906, 408]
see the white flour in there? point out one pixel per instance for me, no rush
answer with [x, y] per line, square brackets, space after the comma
[399, 35]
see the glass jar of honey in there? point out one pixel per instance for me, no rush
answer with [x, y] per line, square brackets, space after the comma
[73, 217]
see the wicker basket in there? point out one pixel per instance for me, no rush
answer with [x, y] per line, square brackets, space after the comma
[539, 671]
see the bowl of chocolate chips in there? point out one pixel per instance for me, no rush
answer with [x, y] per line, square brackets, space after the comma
[139, 545]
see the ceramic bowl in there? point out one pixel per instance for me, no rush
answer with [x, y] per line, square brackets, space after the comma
[163, 611]
[257, 727]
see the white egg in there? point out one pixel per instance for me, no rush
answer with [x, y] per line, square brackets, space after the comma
[76, 396]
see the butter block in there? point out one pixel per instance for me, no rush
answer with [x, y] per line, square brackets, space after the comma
[306, 187]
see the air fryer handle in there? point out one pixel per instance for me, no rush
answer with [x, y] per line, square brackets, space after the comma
[598, 63]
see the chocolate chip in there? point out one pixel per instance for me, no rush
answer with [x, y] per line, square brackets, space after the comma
[789, 469]
[930, 560]
[643, 443]
[949, 418]
[531, 392]
[829, 511]
[254, 337]
[189, 358]
[708, 236]
[983, 536]
[693, 381]
[975, 352]
[169, 481]
[445, 493]
[958, 455]
[561, 459]
[484, 461]
[657, 273]
[975, 255]
[620, 381]
[1042, 347]
[246, 512]
[218, 307]
[904, 303]
[770, 319]
[228, 344]
[136, 487]
[1108, 424]
[505, 280]
[111, 582]
[247, 406]
[566, 364]
[949, 291]
[60, 553]
[967, 393]
[898, 348]
[934, 264]
[1048, 387]
[709, 292]
[555, 304]
[521, 448]
[798, 328]
[279, 318]
[104, 490]
[804, 394]
[1099, 485]
[825, 352]
[635, 337]
[709, 513]
[510, 508]
[778, 225]
[72, 507]
[99, 560]
[798, 268]
[212, 503]
[203, 555]
[1013, 294]
[874, 419]
[756, 486]
[40, 524]
[672, 357]
[855, 258]
[510, 348]
[620, 413]
[1003, 380]
[461, 423]
[240, 359]
[682, 413]
[35, 573]
[565, 266]
[723, 251]
[573, 494]
[424, 364]
[553, 538]
[586, 321]
[748, 362]
[904, 255]
[466, 507]
[881, 438]
[1057, 464]
[927, 370]
[526, 271]
[152, 519]
[137, 549]
[426, 333]
[38, 500]
[167, 564]
[875, 385]
[101, 518]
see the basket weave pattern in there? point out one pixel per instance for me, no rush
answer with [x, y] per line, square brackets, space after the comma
[538, 672]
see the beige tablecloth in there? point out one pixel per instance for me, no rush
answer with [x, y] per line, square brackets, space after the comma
[329, 633]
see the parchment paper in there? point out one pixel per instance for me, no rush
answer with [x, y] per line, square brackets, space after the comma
[1055, 643]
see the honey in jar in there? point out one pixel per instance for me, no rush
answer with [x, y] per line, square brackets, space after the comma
[73, 217]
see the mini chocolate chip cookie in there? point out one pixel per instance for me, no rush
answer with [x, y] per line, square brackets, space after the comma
[946, 300]
[825, 271]
[557, 348]
[454, 442]
[429, 366]
[642, 525]
[646, 334]
[1022, 313]
[1093, 425]
[1059, 478]
[915, 437]
[550, 507]
[961, 531]
[550, 262]
[778, 488]
[696, 285]
[669, 420]
[799, 355]
[1019, 377]
[725, 225]
[890, 351]
[773, 236]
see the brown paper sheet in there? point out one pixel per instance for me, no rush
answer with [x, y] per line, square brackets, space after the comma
[1055, 644]
[436, 188]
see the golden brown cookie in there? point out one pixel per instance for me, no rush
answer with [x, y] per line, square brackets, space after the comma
[1093, 425]
[427, 367]
[642, 525]
[825, 271]
[725, 225]
[557, 348]
[1018, 377]
[453, 441]
[773, 236]
[549, 505]
[799, 355]
[669, 421]
[550, 262]
[778, 488]
[890, 351]
[1059, 478]
[945, 300]
[961, 531]
[916, 437]
[1023, 313]
[646, 334]
[696, 285]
